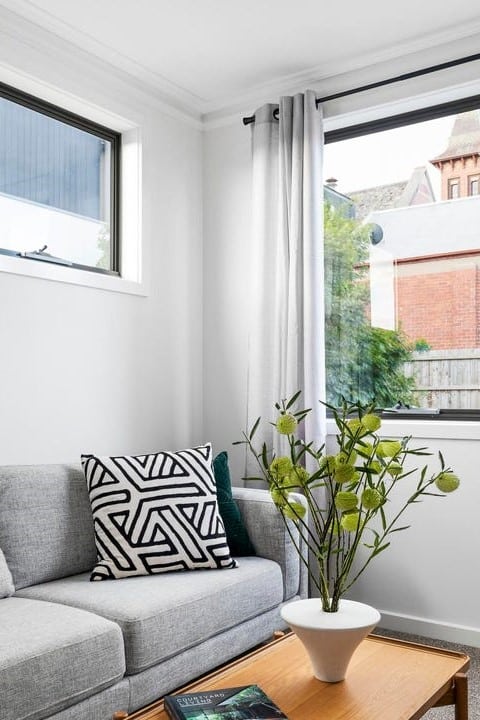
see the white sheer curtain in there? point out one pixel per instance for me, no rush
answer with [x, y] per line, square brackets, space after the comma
[286, 341]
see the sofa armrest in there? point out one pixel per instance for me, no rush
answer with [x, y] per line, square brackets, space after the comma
[271, 539]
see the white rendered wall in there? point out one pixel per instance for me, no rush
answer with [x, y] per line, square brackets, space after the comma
[88, 370]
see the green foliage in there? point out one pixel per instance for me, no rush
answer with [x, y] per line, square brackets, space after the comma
[363, 363]
[421, 345]
[381, 371]
[357, 482]
[103, 244]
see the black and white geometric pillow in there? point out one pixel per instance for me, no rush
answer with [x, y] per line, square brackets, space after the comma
[155, 513]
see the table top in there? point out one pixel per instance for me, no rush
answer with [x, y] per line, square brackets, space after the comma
[387, 678]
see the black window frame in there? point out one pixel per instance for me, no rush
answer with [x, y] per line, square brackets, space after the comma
[390, 122]
[56, 112]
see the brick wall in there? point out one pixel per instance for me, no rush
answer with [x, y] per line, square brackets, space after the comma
[439, 303]
[461, 168]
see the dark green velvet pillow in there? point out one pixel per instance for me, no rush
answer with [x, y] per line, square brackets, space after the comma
[236, 532]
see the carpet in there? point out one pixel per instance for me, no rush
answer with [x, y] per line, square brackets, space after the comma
[448, 712]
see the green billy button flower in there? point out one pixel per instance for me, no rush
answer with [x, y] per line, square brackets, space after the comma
[375, 467]
[327, 464]
[294, 510]
[285, 482]
[371, 499]
[281, 466]
[298, 475]
[349, 522]
[346, 501]
[365, 449]
[335, 526]
[388, 448]
[447, 482]
[345, 458]
[278, 496]
[286, 424]
[371, 422]
[355, 426]
[394, 469]
[344, 473]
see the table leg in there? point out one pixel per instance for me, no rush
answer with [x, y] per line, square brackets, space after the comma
[461, 696]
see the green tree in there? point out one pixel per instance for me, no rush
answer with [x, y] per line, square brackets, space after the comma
[103, 245]
[363, 363]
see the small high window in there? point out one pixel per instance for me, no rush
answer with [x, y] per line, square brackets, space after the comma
[473, 184]
[453, 188]
[58, 185]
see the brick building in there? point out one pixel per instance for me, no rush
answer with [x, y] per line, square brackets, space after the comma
[437, 299]
[459, 163]
[425, 274]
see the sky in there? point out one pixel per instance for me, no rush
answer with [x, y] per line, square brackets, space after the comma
[386, 157]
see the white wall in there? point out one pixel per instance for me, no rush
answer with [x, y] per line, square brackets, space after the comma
[88, 370]
[227, 201]
[429, 581]
[428, 229]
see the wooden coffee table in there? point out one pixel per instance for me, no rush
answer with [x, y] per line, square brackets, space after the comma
[387, 679]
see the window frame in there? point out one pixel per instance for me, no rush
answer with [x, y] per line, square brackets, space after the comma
[471, 180]
[347, 132]
[453, 188]
[32, 102]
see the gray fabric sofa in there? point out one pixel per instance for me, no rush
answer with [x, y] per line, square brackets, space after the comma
[71, 648]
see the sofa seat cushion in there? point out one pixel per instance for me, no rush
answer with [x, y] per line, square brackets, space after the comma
[161, 615]
[52, 656]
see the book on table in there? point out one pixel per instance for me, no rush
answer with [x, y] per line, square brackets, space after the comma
[247, 702]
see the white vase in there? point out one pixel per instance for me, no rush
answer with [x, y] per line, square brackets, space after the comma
[330, 638]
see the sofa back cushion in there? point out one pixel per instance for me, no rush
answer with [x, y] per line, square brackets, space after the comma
[235, 530]
[46, 526]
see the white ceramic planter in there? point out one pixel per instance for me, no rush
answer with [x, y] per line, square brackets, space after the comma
[330, 638]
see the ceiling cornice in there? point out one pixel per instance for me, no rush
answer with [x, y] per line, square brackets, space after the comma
[48, 34]
[47, 42]
[336, 77]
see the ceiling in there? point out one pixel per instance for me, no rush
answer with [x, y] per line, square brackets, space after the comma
[211, 52]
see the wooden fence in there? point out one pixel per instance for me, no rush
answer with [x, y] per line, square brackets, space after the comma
[447, 378]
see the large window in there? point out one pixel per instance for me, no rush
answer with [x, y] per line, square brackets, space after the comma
[58, 185]
[402, 261]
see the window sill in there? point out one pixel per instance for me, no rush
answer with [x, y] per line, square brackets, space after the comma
[432, 429]
[57, 273]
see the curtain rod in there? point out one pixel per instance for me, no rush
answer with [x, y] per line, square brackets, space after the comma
[388, 81]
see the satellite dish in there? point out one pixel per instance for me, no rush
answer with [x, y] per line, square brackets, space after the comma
[376, 233]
